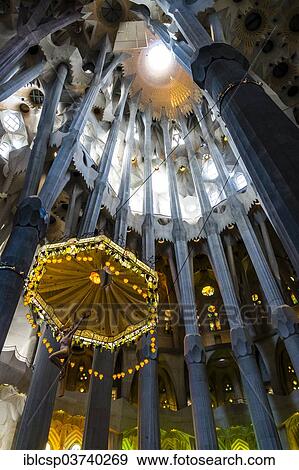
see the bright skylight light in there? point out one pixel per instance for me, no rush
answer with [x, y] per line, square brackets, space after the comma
[159, 57]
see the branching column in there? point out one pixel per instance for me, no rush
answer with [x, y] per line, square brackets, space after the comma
[259, 408]
[93, 207]
[194, 33]
[29, 228]
[120, 233]
[20, 80]
[96, 431]
[283, 316]
[45, 127]
[203, 419]
[37, 414]
[30, 34]
[148, 392]
[52, 186]
[253, 119]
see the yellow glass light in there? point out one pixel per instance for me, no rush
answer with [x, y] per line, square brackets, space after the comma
[211, 308]
[130, 371]
[126, 280]
[208, 291]
[90, 371]
[68, 258]
[135, 287]
[95, 277]
[146, 361]
[255, 297]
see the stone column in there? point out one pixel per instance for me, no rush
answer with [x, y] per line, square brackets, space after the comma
[261, 220]
[20, 80]
[45, 127]
[93, 207]
[281, 313]
[193, 31]
[96, 433]
[70, 143]
[258, 404]
[37, 415]
[97, 420]
[203, 419]
[73, 212]
[231, 262]
[124, 189]
[217, 32]
[30, 34]
[29, 228]
[253, 119]
[148, 392]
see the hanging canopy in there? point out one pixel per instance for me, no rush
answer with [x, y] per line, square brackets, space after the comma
[93, 276]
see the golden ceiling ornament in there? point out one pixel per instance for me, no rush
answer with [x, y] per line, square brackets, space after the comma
[168, 86]
[250, 27]
[282, 73]
[122, 303]
[290, 27]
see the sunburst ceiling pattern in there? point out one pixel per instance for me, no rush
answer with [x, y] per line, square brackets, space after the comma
[163, 81]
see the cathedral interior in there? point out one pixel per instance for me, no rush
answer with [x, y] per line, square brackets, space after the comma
[149, 233]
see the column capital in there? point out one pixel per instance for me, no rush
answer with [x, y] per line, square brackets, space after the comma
[260, 217]
[31, 213]
[242, 345]
[178, 230]
[285, 321]
[208, 54]
[194, 351]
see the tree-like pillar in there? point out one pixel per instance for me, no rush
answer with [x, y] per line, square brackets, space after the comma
[45, 127]
[93, 207]
[124, 189]
[37, 415]
[193, 31]
[252, 119]
[21, 79]
[260, 411]
[97, 420]
[282, 314]
[148, 393]
[30, 34]
[29, 228]
[261, 218]
[203, 419]
[52, 186]
[96, 433]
